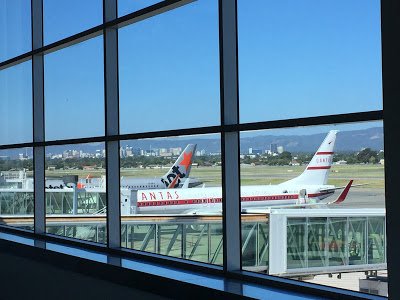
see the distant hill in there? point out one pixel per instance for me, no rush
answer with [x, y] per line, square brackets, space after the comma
[347, 141]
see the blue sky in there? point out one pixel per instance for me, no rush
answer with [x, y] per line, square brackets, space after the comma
[302, 58]
[296, 59]
[15, 31]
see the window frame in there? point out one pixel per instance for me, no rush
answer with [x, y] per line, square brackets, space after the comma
[229, 129]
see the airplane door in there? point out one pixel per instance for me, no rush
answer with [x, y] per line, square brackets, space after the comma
[133, 202]
[302, 196]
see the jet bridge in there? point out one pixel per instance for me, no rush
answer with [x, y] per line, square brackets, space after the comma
[284, 242]
[319, 241]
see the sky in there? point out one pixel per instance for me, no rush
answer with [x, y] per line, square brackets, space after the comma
[296, 59]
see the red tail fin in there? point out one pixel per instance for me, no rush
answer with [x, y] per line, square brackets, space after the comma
[343, 194]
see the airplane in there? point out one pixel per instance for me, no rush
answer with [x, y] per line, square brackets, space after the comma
[176, 177]
[307, 189]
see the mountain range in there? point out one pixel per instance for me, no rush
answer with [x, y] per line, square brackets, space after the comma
[347, 141]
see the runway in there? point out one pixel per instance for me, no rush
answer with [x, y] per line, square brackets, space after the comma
[361, 198]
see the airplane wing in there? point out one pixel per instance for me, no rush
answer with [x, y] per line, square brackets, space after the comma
[341, 187]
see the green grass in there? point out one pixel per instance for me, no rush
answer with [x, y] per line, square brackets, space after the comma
[372, 175]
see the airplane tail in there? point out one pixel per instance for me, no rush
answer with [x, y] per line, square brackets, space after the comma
[317, 171]
[181, 168]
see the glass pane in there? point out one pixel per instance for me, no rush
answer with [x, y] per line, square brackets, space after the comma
[15, 28]
[163, 181]
[76, 191]
[376, 240]
[308, 58]
[316, 242]
[74, 91]
[296, 243]
[16, 104]
[16, 187]
[63, 18]
[169, 70]
[337, 228]
[357, 242]
[255, 244]
[319, 192]
[128, 6]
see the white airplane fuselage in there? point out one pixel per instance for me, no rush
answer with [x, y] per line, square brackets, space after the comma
[209, 200]
[307, 188]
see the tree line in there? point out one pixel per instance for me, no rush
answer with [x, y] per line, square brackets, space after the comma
[366, 156]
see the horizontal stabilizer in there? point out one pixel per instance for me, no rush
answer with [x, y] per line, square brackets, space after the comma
[343, 194]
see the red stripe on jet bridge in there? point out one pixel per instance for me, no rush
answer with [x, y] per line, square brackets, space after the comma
[324, 153]
[319, 168]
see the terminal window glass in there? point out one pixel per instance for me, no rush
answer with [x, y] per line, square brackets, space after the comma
[15, 28]
[16, 104]
[308, 58]
[176, 176]
[169, 70]
[16, 187]
[299, 174]
[74, 91]
[76, 191]
[128, 6]
[63, 18]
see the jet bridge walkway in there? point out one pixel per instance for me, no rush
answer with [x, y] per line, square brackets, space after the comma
[284, 242]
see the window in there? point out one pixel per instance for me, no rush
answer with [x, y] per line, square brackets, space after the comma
[15, 28]
[126, 6]
[68, 17]
[175, 169]
[16, 104]
[102, 125]
[16, 186]
[76, 188]
[308, 58]
[299, 60]
[74, 91]
[174, 69]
